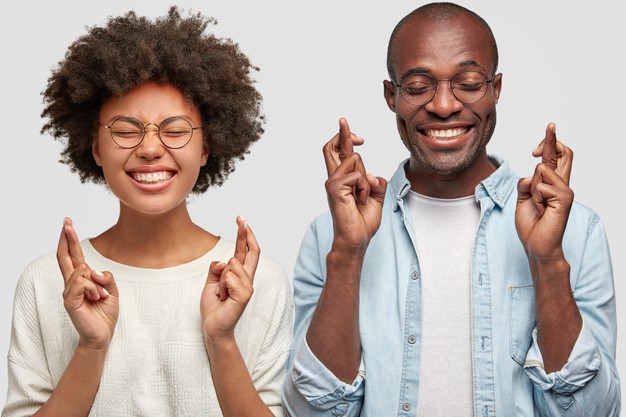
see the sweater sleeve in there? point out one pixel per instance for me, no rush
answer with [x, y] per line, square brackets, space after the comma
[270, 370]
[29, 381]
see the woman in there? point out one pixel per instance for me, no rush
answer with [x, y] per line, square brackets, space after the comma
[148, 317]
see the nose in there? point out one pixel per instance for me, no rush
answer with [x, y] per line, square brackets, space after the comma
[444, 103]
[151, 146]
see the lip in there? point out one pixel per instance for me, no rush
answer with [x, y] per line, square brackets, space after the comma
[445, 135]
[152, 178]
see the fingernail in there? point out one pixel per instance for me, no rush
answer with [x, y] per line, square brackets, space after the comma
[217, 290]
[98, 273]
[104, 290]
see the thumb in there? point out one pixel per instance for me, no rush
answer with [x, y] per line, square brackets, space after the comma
[215, 272]
[523, 189]
[106, 280]
[378, 187]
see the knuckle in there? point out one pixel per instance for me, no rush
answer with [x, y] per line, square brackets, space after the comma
[83, 269]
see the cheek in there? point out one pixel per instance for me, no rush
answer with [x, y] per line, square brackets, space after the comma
[405, 118]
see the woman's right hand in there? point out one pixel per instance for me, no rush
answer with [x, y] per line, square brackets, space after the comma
[90, 297]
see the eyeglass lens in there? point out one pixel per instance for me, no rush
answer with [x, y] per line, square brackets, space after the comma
[467, 87]
[128, 132]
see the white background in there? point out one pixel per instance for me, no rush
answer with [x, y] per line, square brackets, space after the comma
[561, 61]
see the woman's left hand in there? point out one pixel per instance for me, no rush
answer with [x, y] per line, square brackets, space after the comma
[228, 287]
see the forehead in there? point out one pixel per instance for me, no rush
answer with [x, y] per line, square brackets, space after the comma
[442, 48]
[151, 102]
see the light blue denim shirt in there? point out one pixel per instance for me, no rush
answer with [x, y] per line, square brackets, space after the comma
[507, 365]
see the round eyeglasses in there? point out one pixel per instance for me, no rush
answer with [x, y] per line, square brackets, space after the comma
[468, 87]
[128, 132]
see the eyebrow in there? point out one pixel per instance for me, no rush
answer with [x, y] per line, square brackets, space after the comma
[421, 70]
[125, 116]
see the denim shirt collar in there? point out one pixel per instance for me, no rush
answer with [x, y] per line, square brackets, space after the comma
[498, 186]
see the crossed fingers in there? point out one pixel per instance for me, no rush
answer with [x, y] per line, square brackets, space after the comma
[555, 154]
[79, 278]
[242, 266]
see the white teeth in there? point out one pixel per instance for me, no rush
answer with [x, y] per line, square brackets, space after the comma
[152, 177]
[446, 133]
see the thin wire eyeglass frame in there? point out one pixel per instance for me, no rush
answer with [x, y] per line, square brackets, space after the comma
[435, 87]
[143, 129]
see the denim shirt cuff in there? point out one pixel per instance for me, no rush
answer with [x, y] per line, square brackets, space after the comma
[582, 365]
[319, 385]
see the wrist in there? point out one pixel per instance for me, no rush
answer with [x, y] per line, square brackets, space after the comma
[220, 344]
[93, 351]
[549, 266]
[348, 252]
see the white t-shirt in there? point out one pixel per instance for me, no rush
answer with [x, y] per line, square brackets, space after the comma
[157, 364]
[445, 230]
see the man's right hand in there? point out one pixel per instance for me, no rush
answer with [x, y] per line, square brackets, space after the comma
[355, 198]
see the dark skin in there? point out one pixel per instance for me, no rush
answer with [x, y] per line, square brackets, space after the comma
[543, 205]
[447, 141]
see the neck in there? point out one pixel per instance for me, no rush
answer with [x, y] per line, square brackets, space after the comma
[455, 185]
[154, 240]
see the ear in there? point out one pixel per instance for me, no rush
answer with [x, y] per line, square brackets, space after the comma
[497, 86]
[205, 153]
[95, 150]
[389, 90]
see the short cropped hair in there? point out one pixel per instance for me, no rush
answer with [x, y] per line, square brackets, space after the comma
[130, 50]
[440, 12]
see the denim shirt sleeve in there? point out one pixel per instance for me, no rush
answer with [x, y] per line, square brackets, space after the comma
[310, 389]
[588, 384]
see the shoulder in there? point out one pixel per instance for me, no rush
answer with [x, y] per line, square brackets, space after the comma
[583, 218]
[271, 277]
[321, 227]
[270, 307]
[41, 272]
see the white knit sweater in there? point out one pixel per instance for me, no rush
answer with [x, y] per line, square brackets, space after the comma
[157, 364]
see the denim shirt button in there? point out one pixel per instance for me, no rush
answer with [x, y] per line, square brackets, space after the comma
[406, 407]
[411, 339]
[414, 275]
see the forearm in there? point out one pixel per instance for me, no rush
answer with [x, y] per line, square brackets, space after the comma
[235, 391]
[558, 318]
[333, 334]
[77, 388]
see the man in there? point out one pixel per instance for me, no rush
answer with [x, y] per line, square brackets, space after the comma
[456, 289]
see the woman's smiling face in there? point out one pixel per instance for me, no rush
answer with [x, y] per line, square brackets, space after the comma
[150, 178]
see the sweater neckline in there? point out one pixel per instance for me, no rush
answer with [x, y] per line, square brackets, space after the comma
[221, 251]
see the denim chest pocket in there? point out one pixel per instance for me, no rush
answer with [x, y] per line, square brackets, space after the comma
[522, 320]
